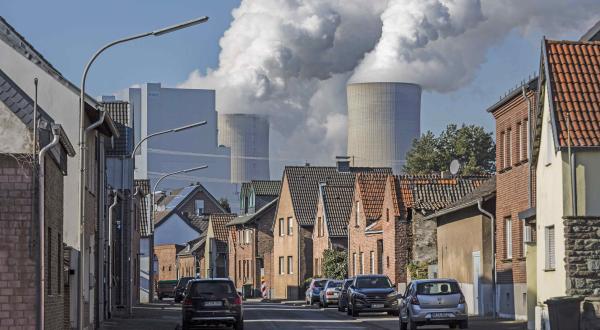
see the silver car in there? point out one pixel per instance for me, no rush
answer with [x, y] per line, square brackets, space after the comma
[433, 302]
[331, 293]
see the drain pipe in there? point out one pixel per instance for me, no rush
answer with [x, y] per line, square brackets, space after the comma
[131, 270]
[42, 225]
[110, 250]
[493, 236]
[529, 180]
[83, 185]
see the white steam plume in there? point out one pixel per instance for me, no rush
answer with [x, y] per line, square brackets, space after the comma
[291, 59]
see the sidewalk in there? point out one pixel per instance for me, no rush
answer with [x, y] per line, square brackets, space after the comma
[148, 316]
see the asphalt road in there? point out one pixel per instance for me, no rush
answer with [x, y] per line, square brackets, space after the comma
[265, 316]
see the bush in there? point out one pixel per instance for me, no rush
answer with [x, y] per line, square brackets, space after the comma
[335, 264]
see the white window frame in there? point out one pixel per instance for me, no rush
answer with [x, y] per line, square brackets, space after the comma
[354, 263]
[357, 218]
[290, 264]
[550, 247]
[508, 238]
[199, 210]
[290, 226]
[362, 262]
[281, 227]
[281, 265]
[372, 262]
[520, 140]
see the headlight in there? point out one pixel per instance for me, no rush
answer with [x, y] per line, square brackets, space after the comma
[360, 295]
[392, 294]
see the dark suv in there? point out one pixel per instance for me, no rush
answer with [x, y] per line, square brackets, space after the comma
[343, 303]
[212, 302]
[372, 293]
[180, 287]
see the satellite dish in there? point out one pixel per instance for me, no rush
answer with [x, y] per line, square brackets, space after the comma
[454, 166]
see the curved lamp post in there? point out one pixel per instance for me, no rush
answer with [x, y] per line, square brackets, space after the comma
[82, 143]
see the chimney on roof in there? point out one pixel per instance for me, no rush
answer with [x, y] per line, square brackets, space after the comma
[342, 164]
[445, 175]
[307, 164]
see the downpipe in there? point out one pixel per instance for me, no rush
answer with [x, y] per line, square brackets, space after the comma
[42, 225]
[110, 250]
[493, 237]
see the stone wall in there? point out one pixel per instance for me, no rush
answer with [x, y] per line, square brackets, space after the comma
[424, 246]
[582, 254]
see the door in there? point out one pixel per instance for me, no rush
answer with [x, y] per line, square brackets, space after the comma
[476, 282]
[379, 269]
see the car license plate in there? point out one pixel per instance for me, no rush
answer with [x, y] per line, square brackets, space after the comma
[441, 315]
[213, 303]
[335, 294]
[377, 306]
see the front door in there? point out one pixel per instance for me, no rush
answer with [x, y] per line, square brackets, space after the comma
[476, 282]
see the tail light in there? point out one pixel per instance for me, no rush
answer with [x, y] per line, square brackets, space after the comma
[187, 302]
[330, 293]
[237, 300]
[461, 300]
[414, 300]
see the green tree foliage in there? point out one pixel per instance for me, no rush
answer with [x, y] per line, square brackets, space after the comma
[471, 145]
[335, 264]
[225, 204]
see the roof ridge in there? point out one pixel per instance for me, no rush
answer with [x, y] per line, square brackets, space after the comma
[573, 42]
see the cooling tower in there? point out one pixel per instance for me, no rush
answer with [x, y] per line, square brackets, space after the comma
[248, 137]
[383, 120]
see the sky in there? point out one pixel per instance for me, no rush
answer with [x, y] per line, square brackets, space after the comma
[68, 32]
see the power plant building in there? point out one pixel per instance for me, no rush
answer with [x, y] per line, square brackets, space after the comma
[247, 136]
[383, 120]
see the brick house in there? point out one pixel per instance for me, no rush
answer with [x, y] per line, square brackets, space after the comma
[257, 193]
[469, 261]
[167, 260]
[250, 242]
[190, 260]
[21, 184]
[365, 231]
[515, 195]
[216, 249]
[294, 222]
[566, 158]
[331, 223]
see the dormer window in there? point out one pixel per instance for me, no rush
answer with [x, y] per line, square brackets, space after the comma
[199, 204]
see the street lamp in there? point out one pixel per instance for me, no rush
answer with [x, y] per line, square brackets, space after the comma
[151, 240]
[82, 143]
[172, 130]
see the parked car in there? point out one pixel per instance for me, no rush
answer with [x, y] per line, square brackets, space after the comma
[212, 302]
[372, 293]
[180, 287]
[166, 289]
[330, 293]
[433, 302]
[314, 290]
[343, 301]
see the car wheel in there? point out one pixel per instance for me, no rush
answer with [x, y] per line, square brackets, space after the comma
[411, 324]
[403, 325]
[354, 312]
[348, 310]
[239, 325]
[185, 326]
[463, 324]
[452, 325]
[325, 304]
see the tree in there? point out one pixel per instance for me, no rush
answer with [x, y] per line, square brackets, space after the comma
[335, 264]
[225, 204]
[471, 145]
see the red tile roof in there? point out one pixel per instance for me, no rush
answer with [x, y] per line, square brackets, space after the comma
[574, 77]
[372, 192]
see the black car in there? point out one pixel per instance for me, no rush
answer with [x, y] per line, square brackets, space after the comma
[180, 287]
[212, 302]
[343, 302]
[372, 293]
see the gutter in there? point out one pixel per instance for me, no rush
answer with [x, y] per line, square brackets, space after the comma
[42, 226]
[110, 250]
[493, 237]
[529, 181]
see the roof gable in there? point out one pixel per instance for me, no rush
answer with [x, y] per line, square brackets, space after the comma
[371, 191]
[337, 207]
[178, 198]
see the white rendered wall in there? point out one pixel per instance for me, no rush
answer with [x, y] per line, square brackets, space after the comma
[383, 120]
[156, 109]
[248, 137]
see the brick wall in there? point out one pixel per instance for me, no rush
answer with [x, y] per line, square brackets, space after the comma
[210, 206]
[396, 239]
[241, 256]
[512, 186]
[18, 237]
[359, 242]
[186, 265]
[424, 239]
[582, 254]
[167, 261]
[264, 246]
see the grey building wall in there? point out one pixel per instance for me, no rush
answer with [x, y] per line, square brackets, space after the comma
[383, 120]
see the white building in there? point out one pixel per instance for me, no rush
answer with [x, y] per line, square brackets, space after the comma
[156, 109]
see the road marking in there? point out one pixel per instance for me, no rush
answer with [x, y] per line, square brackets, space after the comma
[302, 320]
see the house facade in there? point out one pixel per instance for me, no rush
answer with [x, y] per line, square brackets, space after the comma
[566, 159]
[515, 195]
[166, 255]
[216, 249]
[469, 261]
[294, 222]
[190, 260]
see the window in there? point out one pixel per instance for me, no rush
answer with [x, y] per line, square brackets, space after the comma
[502, 150]
[290, 227]
[372, 262]
[49, 261]
[281, 265]
[526, 138]
[519, 141]
[356, 218]
[199, 203]
[387, 215]
[526, 237]
[316, 267]
[550, 248]
[508, 236]
[319, 227]
[290, 261]
[387, 261]
[361, 260]
[59, 264]
[281, 227]
[354, 263]
[247, 233]
[549, 143]
[239, 269]
[508, 148]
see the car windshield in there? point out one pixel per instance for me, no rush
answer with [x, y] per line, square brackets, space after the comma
[319, 283]
[437, 288]
[211, 287]
[336, 285]
[347, 284]
[183, 281]
[373, 283]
